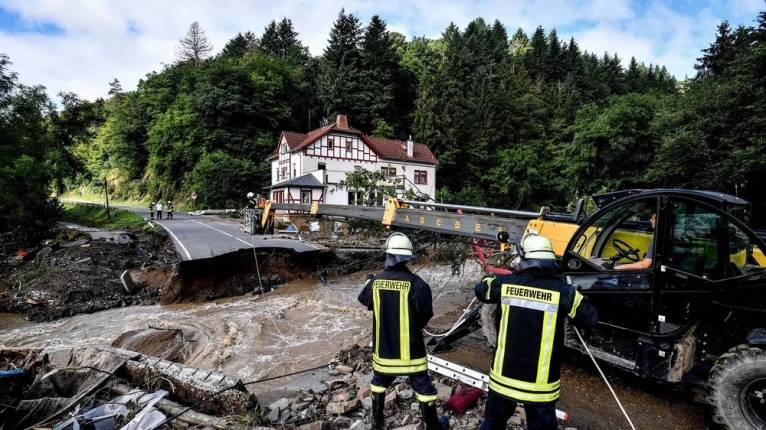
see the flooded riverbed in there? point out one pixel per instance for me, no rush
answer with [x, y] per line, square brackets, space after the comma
[299, 325]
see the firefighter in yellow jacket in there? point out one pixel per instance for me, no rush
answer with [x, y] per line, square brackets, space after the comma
[532, 306]
[401, 305]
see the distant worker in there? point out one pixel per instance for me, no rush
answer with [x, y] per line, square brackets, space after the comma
[151, 210]
[532, 304]
[252, 202]
[158, 209]
[401, 305]
[646, 262]
[169, 209]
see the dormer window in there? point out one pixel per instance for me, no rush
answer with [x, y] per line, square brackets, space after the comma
[283, 148]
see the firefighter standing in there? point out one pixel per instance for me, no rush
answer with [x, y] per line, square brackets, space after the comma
[169, 209]
[532, 304]
[151, 210]
[401, 305]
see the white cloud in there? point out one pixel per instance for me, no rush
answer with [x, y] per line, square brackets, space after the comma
[97, 43]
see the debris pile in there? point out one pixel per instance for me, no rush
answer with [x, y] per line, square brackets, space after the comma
[76, 274]
[346, 401]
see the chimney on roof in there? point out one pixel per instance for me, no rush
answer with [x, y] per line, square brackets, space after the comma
[410, 147]
[341, 121]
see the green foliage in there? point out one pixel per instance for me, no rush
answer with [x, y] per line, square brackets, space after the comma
[372, 186]
[222, 181]
[93, 216]
[26, 212]
[383, 129]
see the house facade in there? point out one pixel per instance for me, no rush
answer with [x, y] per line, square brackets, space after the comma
[307, 168]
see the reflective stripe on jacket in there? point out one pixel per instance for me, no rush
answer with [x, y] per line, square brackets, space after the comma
[401, 305]
[532, 306]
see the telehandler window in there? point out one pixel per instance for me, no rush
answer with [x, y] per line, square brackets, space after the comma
[706, 244]
[745, 257]
[622, 234]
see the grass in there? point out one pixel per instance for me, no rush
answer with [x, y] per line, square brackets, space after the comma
[79, 195]
[92, 216]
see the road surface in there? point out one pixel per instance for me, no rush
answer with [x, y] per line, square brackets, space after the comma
[197, 237]
[204, 236]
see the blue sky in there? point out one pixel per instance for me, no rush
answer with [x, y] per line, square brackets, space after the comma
[81, 45]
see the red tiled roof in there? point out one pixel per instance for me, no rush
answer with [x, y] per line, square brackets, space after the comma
[391, 149]
[293, 139]
[387, 149]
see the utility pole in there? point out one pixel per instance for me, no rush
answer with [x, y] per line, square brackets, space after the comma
[106, 194]
[105, 158]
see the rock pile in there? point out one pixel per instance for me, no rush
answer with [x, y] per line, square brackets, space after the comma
[346, 401]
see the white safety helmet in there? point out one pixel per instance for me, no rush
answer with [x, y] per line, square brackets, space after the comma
[536, 246]
[399, 244]
[250, 195]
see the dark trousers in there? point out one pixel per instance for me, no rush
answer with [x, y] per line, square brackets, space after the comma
[421, 383]
[159, 214]
[540, 416]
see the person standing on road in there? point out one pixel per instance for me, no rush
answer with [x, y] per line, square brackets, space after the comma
[532, 305]
[158, 209]
[151, 210]
[169, 209]
[401, 305]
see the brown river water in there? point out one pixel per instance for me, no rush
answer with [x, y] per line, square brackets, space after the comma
[300, 325]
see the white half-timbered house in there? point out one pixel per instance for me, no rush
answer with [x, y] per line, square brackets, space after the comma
[307, 168]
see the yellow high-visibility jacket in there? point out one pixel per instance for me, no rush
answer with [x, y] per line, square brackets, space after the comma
[401, 305]
[532, 306]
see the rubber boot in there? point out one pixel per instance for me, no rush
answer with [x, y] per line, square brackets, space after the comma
[430, 418]
[378, 416]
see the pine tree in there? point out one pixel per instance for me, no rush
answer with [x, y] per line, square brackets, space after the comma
[537, 56]
[194, 47]
[240, 45]
[270, 39]
[554, 63]
[634, 81]
[287, 37]
[379, 67]
[115, 87]
[340, 78]
[718, 55]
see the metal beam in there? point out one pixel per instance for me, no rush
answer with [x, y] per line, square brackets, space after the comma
[358, 212]
[468, 225]
[479, 209]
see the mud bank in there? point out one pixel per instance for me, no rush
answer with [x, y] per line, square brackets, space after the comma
[74, 274]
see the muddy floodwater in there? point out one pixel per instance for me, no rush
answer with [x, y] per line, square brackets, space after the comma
[303, 324]
[299, 325]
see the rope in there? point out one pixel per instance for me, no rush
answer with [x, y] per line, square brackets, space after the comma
[585, 345]
[260, 284]
[454, 326]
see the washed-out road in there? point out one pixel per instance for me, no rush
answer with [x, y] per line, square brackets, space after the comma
[204, 236]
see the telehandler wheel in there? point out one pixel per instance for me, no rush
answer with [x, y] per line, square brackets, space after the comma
[738, 388]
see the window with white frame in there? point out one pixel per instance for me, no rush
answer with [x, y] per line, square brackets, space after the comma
[421, 177]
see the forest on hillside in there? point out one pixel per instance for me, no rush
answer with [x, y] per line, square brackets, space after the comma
[516, 120]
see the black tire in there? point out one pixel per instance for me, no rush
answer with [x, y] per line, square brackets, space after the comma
[733, 380]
